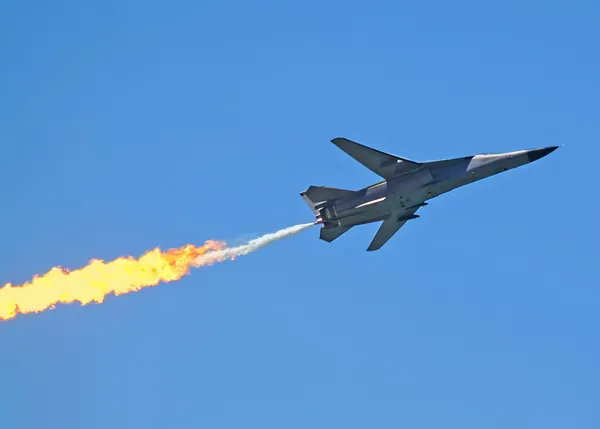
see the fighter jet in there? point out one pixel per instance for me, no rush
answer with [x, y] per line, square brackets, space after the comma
[407, 186]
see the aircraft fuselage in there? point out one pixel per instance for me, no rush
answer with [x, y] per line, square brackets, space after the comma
[398, 197]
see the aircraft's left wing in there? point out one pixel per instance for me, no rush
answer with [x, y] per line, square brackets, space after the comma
[389, 227]
[383, 164]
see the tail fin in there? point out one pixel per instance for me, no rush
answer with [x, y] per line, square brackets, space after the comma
[317, 195]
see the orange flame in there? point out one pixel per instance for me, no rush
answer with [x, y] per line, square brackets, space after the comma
[98, 279]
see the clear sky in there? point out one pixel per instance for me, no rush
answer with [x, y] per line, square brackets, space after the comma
[126, 125]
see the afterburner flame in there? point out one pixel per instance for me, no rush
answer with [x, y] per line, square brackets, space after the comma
[123, 275]
[99, 279]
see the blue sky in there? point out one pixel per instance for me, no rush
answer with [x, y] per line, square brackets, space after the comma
[128, 125]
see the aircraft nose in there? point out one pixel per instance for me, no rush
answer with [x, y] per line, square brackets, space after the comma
[536, 154]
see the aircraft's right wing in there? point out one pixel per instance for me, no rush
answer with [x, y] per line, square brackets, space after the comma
[381, 163]
[389, 227]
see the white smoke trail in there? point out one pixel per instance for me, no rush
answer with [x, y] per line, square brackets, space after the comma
[249, 247]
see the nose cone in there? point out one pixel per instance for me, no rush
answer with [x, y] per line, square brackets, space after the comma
[536, 154]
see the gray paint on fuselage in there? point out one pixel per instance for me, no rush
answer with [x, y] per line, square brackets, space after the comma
[400, 196]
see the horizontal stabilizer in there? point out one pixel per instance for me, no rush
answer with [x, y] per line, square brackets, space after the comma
[381, 163]
[330, 234]
[319, 194]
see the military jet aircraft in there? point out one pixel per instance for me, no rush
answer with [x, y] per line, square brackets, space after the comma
[406, 187]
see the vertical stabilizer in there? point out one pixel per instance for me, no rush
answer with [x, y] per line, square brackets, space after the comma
[319, 195]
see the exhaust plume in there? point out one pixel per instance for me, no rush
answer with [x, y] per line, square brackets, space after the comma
[251, 246]
[98, 279]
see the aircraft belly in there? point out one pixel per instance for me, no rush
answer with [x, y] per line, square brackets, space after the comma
[359, 207]
[409, 190]
[412, 181]
[366, 216]
[401, 200]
